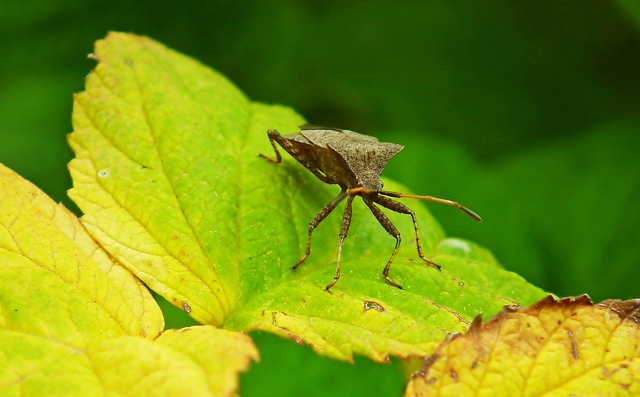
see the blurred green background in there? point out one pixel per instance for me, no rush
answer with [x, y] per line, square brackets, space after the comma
[528, 112]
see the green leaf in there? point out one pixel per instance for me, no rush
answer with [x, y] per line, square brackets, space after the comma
[168, 175]
[72, 322]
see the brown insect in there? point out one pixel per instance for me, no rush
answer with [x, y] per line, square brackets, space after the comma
[354, 162]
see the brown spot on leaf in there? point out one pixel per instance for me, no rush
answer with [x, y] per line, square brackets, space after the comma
[454, 375]
[574, 346]
[368, 305]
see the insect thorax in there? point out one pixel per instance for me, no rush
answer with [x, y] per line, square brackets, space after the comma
[367, 161]
[345, 157]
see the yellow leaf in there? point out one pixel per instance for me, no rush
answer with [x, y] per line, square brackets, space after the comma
[219, 352]
[568, 347]
[194, 361]
[74, 323]
[56, 282]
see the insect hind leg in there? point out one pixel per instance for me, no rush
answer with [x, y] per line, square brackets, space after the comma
[386, 223]
[403, 209]
[346, 223]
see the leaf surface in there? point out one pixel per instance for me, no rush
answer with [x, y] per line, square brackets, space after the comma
[55, 278]
[553, 348]
[193, 361]
[73, 322]
[168, 175]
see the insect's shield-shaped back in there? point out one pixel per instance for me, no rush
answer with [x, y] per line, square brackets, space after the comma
[364, 156]
[368, 160]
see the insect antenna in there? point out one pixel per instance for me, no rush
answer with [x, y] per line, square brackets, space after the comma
[434, 199]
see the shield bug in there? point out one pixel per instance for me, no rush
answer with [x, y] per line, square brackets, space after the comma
[354, 162]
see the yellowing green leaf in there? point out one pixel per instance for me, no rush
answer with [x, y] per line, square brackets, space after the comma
[168, 176]
[220, 353]
[154, 195]
[367, 316]
[74, 323]
[194, 361]
[56, 282]
[568, 347]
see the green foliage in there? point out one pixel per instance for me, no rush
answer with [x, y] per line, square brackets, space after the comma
[473, 91]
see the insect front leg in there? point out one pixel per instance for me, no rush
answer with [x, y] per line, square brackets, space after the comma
[273, 137]
[386, 223]
[346, 223]
[324, 212]
[403, 209]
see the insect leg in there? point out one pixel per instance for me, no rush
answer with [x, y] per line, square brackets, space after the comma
[324, 212]
[403, 209]
[386, 223]
[273, 136]
[304, 156]
[346, 222]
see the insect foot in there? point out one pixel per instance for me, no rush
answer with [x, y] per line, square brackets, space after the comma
[354, 162]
